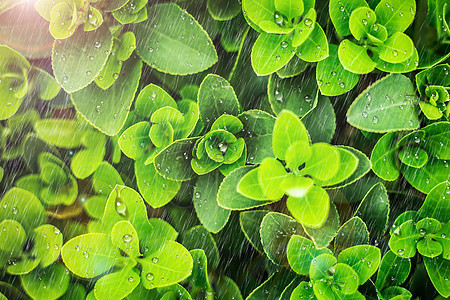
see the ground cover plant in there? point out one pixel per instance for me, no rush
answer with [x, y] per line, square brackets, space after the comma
[224, 149]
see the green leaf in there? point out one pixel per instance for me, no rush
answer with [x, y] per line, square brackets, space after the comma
[354, 58]
[383, 158]
[158, 99]
[125, 203]
[199, 276]
[331, 70]
[396, 292]
[270, 53]
[427, 177]
[374, 210]
[250, 222]
[403, 240]
[312, 209]
[297, 154]
[324, 235]
[293, 68]
[289, 8]
[259, 11]
[132, 12]
[321, 121]
[23, 207]
[303, 290]
[390, 104]
[437, 140]
[324, 163]
[276, 231]
[347, 166]
[413, 157]
[22, 267]
[166, 266]
[340, 12]
[395, 15]
[94, 19]
[344, 277]
[105, 179]
[228, 196]
[90, 255]
[363, 259]
[116, 285]
[121, 51]
[224, 10]
[107, 110]
[63, 20]
[301, 252]
[436, 205]
[271, 176]
[215, 98]
[320, 265]
[125, 237]
[353, 232]
[249, 186]
[404, 67]
[393, 270]
[46, 86]
[315, 47]
[155, 44]
[48, 241]
[161, 135]
[259, 126]
[296, 186]
[283, 96]
[13, 236]
[429, 248]
[227, 289]
[273, 287]
[361, 22]
[189, 109]
[49, 283]
[60, 132]
[86, 161]
[364, 166]
[198, 237]
[156, 190]
[397, 48]
[287, 130]
[304, 28]
[229, 123]
[74, 72]
[438, 270]
[210, 214]
[173, 162]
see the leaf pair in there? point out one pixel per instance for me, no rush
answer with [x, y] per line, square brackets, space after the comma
[330, 276]
[18, 80]
[422, 152]
[54, 185]
[134, 11]
[63, 16]
[16, 133]
[70, 134]
[104, 179]
[22, 224]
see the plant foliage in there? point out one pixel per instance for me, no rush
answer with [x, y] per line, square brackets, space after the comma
[227, 149]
